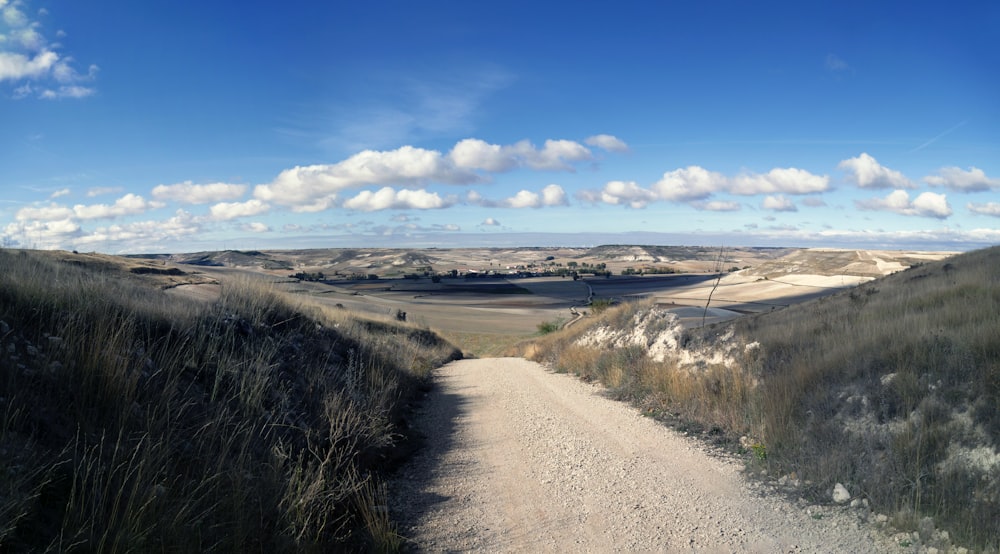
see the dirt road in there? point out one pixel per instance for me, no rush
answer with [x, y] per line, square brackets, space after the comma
[520, 459]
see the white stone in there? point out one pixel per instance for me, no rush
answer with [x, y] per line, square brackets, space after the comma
[840, 494]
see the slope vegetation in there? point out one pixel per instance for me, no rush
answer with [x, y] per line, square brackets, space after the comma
[890, 389]
[131, 420]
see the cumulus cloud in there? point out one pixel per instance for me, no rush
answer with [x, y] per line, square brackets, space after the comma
[43, 234]
[957, 179]
[985, 208]
[15, 66]
[130, 204]
[626, 193]
[27, 59]
[689, 183]
[927, 204]
[865, 172]
[490, 222]
[555, 155]
[224, 211]
[388, 198]
[717, 206]
[780, 180]
[607, 142]
[255, 227]
[45, 213]
[778, 203]
[479, 154]
[814, 202]
[316, 186]
[140, 233]
[695, 185]
[190, 193]
[551, 195]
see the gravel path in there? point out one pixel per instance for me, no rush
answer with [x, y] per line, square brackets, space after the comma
[520, 459]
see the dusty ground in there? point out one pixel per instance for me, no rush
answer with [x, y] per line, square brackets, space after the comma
[520, 459]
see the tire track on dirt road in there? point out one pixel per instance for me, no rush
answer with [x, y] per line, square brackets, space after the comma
[520, 459]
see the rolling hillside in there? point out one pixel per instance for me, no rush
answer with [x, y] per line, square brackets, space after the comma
[890, 389]
[133, 420]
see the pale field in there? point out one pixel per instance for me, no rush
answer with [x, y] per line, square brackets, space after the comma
[462, 308]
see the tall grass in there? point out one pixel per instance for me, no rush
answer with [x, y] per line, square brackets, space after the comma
[892, 388]
[134, 421]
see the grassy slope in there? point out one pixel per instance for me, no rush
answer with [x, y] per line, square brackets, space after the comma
[135, 421]
[892, 389]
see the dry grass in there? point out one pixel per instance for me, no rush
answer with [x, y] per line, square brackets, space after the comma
[892, 388]
[135, 421]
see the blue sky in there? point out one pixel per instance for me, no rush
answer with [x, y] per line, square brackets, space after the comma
[131, 127]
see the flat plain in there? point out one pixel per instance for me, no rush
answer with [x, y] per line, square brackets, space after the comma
[510, 291]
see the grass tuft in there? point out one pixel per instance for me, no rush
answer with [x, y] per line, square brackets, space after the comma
[132, 420]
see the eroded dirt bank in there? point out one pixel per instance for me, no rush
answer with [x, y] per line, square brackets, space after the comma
[520, 459]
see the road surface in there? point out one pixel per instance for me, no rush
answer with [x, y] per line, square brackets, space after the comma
[520, 459]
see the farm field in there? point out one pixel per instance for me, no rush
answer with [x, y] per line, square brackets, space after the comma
[493, 290]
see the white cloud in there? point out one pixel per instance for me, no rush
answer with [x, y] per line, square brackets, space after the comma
[555, 155]
[43, 234]
[479, 154]
[224, 211]
[51, 212]
[388, 198]
[927, 204]
[955, 178]
[554, 195]
[865, 172]
[551, 195]
[778, 203]
[490, 222]
[130, 204]
[607, 142]
[58, 193]
[142, 233]
[317, 185]
[690, 183]
[25, 55]
[780, 180]
[717, 206]
[255, 227]
[986, 208]
[814, 202]
[626, 193]
[190, 193]
[14, 66]
[70, 91]
[695, 185]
